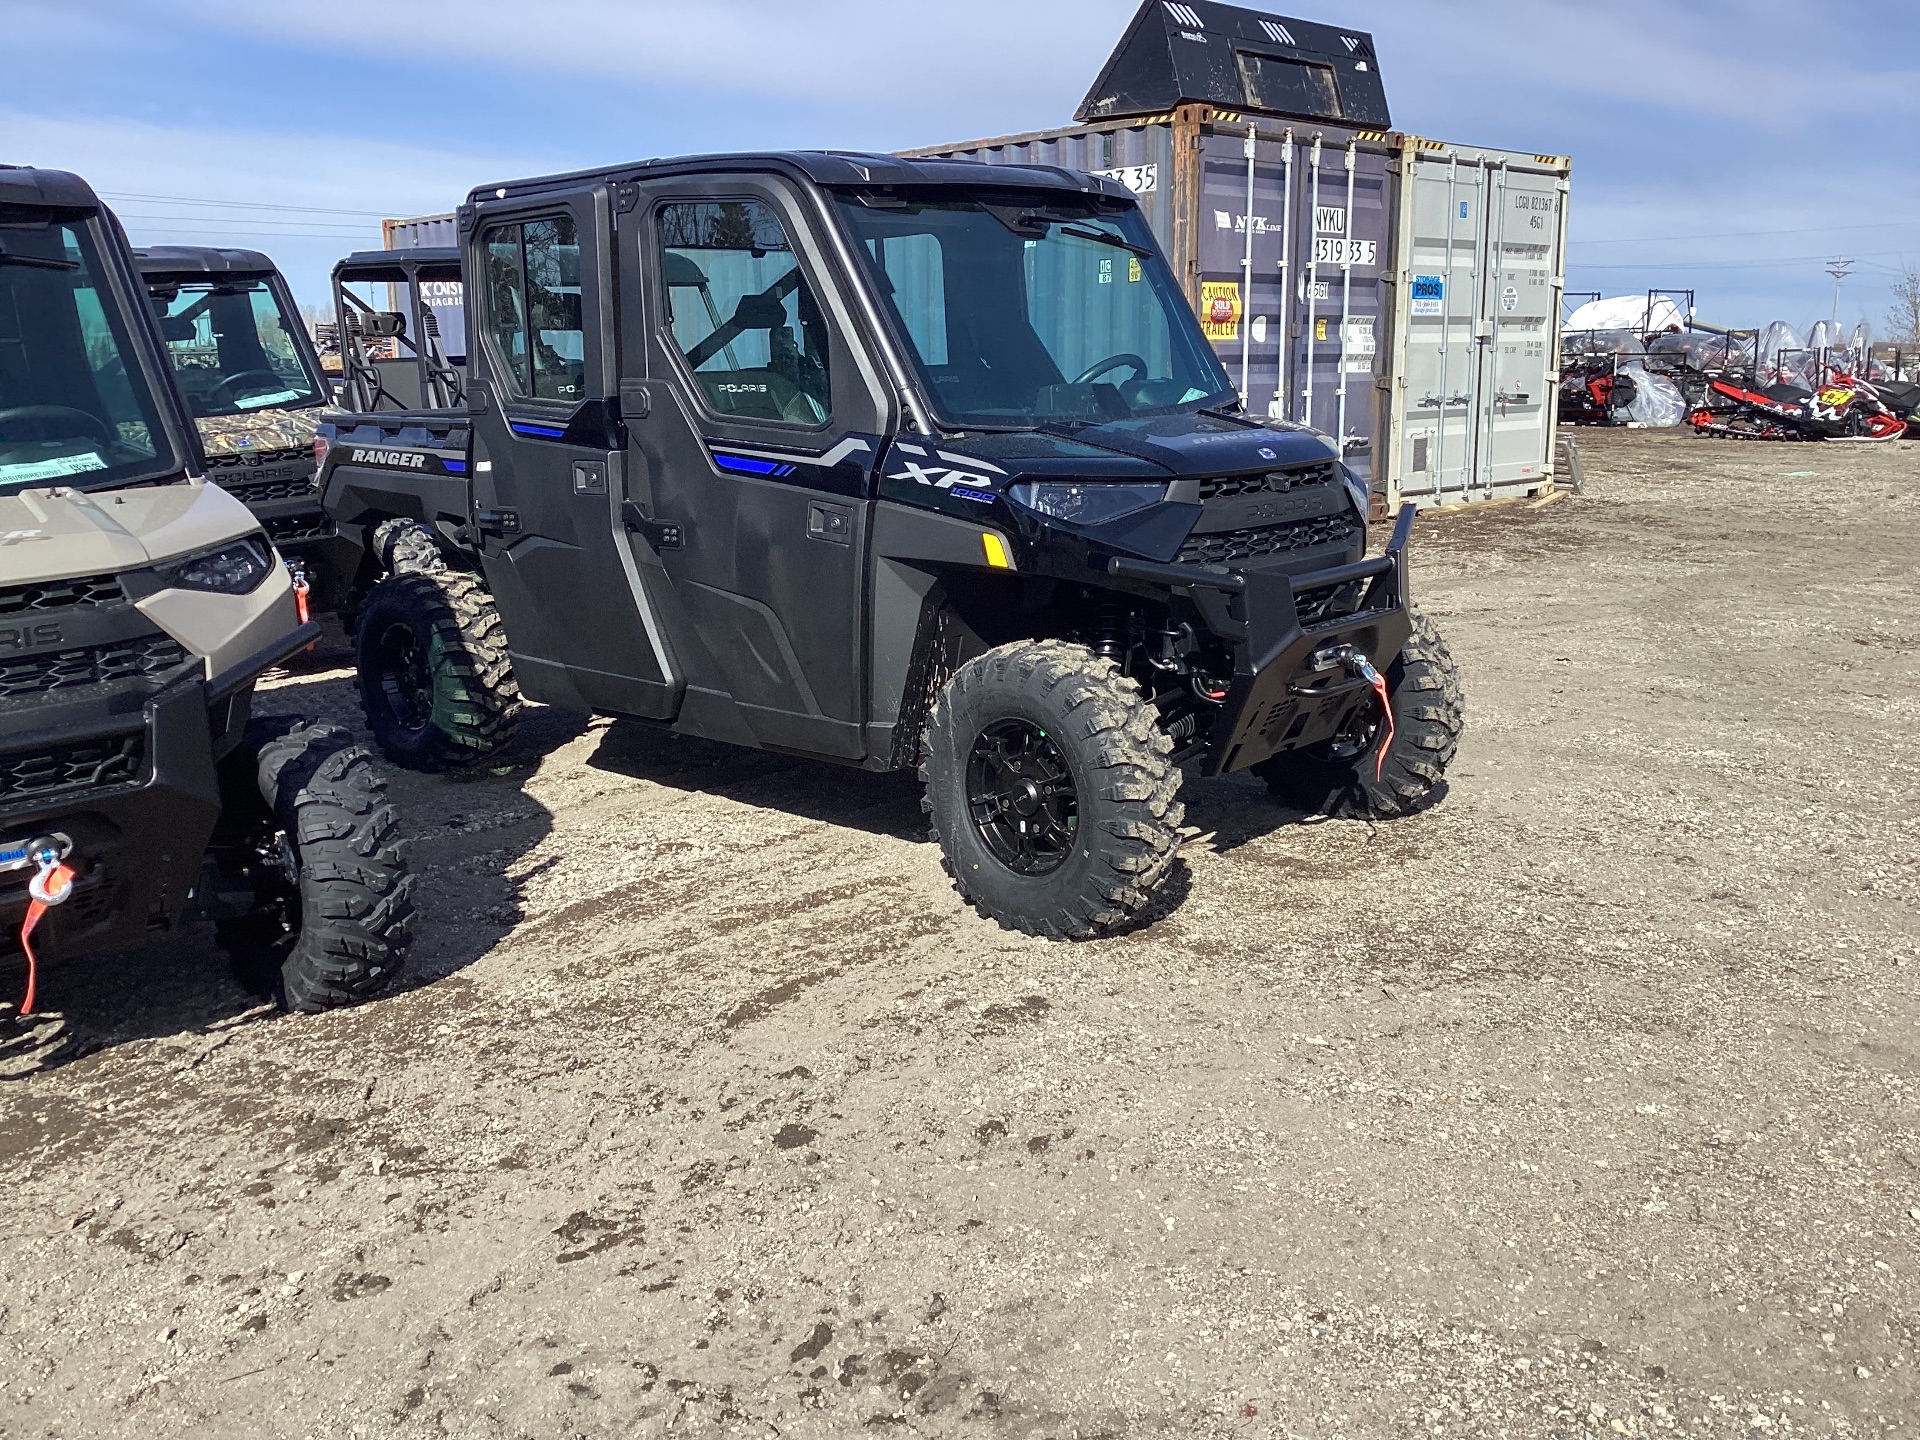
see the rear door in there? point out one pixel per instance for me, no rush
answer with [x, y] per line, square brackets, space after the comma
[547, 465]
[750, 471]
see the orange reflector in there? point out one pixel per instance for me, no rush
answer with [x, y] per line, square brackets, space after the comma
[996, 549]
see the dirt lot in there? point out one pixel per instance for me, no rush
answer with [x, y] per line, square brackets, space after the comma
[1583, 1104]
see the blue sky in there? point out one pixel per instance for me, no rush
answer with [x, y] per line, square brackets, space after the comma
[1730, 147]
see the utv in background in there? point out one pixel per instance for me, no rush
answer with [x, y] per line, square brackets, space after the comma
[253, 383]
[138, 606]
[890, 463]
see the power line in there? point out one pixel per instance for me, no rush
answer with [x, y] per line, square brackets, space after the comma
[242, 204]
[1749, 234]
[1723, 264]
[238, 221]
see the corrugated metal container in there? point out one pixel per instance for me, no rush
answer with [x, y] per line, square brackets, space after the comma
[1480, 265]
[446, 298]
[1301, 244]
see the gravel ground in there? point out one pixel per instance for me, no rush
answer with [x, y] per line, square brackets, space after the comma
[1583, 1104]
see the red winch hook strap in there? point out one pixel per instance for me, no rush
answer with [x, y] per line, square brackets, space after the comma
[1379, 683]
[50, 886]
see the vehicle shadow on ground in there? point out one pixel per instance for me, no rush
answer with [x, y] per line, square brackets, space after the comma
[880, 804]
[1235, 810]
[465, 836]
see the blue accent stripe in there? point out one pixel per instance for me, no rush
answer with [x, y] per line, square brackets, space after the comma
[748, 465]
[455, 467]
[544, 432]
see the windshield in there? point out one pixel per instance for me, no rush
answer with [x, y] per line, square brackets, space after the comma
[75, 406]
[1032, 312]
[232, 345]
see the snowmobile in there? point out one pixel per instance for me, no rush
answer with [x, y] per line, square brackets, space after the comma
[1842, 408]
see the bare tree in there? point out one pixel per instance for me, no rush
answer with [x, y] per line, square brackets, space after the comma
[1904, 318]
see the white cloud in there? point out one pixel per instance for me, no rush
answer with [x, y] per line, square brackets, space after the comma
[259, 167]
[929, 66]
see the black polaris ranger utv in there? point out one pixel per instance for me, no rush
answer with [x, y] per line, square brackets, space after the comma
[253, 384]
[138, 606]
[889, 463]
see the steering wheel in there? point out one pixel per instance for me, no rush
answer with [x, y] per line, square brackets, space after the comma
[229, 386]
[38, 417]
[1113, 362]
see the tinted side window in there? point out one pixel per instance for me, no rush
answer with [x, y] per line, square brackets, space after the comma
[533, 308]
[743, 314]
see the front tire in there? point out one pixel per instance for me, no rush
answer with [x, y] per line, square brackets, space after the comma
[435, 679]
[1346, 777]
[1050, 790]
[332, 916]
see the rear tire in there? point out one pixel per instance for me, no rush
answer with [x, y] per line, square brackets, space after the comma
[1337, 777]
[435, 680]
[1050, 790]
[333, 899]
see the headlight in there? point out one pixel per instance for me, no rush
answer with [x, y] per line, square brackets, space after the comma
[236, 569]
[1087, 504]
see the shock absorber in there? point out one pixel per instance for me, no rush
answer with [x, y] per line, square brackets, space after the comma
[1110, 629]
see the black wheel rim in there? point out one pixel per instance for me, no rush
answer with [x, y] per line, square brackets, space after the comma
[1021, 794]
[406, 683]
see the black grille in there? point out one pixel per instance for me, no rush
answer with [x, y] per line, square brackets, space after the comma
[98, 665]
[1230, 545]
[285, 529]
[60, 595]
[255, 459]
[1329, 602]
[257, 492]
[1274, 482]
[97, 765]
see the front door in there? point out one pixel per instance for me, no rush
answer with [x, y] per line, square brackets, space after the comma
[548, 460]
[750, 472]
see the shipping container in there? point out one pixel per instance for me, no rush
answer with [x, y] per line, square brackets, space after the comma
[1300, 240]
[446, 298]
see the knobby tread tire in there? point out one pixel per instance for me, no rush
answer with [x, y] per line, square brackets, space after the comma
[476, 700]
[1429, 713]
[355, 900]
[407, 547]
[1128, 787]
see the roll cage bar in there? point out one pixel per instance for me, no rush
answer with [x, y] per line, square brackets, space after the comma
[415, 332]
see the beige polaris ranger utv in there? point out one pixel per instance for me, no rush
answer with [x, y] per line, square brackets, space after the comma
[138, 606]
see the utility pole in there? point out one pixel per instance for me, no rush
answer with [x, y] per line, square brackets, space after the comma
[1839, 270]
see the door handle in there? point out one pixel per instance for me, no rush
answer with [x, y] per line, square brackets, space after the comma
[660, 534]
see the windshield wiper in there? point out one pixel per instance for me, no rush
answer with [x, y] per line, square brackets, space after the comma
[36, 262]
[1105, 237]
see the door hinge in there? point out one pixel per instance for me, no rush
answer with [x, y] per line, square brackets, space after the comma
[497, 522]
[660, 534]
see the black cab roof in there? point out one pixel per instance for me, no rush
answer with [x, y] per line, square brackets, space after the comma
[820, 167]
[28, 188]
[185, 261]
[399, 267]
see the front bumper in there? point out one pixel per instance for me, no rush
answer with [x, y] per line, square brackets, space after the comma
[134, 790]
[1291, 685]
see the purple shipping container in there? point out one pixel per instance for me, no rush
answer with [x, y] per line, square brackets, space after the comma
[1281, 234]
